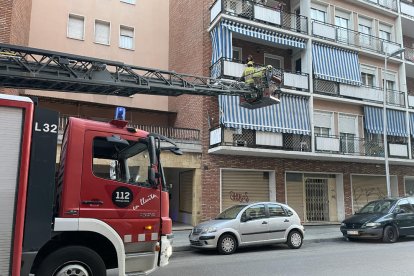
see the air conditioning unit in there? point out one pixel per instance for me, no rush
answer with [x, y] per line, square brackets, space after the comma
[240, 143]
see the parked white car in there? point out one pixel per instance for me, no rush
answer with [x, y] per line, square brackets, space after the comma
[254, 224]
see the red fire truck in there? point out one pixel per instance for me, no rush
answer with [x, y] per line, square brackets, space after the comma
[106, 203]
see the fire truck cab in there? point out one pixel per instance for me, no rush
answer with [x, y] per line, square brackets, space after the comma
[105, 206]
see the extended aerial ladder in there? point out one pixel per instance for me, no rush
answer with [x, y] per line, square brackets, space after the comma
[31, 68]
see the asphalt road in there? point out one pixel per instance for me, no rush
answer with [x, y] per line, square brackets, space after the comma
[324, 258]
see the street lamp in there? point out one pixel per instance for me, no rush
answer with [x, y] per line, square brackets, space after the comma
[384, 117]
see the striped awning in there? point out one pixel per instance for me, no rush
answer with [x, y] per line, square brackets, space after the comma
[336, 64]
[221, 39]
[267, 35]
[373, 121]
[412, 124]
[290, 116]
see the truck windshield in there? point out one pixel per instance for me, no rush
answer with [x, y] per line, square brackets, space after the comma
[123, 161]
[231, 213]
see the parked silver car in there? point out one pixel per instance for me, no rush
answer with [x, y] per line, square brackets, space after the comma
[254, 224]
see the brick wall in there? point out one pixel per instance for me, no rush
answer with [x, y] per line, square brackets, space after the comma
[14, 25]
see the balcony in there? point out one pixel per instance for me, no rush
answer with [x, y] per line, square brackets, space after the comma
[365, 93]
[407, 7]
[180, 135]
[228, 69]
[352, 38]
[359, 146]
[387, 4]
[271, 15]
[222, 136]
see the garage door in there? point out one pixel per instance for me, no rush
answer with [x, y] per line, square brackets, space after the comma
[243, 187]
[367, 188]
[294, 191]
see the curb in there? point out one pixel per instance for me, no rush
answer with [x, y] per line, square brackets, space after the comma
[182, 248]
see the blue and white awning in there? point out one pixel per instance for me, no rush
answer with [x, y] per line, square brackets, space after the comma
[412, 124]
[290, 116]
[221, 38]
[336, 64]
[396, 125]
[267, 35]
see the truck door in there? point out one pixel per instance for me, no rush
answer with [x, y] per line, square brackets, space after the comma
[115, 186]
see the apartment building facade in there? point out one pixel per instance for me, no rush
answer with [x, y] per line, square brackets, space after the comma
[321, 150]
[128, 31]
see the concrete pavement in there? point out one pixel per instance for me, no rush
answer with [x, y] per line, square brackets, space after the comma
[313, 233]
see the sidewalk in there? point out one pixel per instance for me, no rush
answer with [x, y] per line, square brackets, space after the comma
[314, 233]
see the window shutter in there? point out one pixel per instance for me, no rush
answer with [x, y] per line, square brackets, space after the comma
[102, 30]
[126, 39]
[322, 119]
[347, 124]
[76, 27]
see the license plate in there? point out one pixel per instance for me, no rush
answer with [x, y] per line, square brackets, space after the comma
[352, 232]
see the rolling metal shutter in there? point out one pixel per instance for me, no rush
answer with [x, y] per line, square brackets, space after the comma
[295, 197]
[366, 189]
[10, 142]
[243, 186]
[186, 191]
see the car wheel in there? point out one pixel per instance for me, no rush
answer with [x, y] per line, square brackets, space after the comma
[227, 244]
[72, 260]
[390, 234]
[295, 239]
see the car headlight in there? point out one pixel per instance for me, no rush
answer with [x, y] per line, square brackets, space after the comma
[343, 224]
[372, 224]
[209, 230]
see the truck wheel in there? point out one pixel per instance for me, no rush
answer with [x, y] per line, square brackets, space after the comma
[390, 234]
[72, 261]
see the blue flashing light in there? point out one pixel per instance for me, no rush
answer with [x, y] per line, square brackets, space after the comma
[120, 113]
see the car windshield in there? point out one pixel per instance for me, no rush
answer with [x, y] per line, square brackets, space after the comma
[230, 213]
[379, 206]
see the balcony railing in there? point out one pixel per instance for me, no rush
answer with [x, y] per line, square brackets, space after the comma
[366, 93]
[222, 136]
[407, 8]
[409, 54]
[388, 4]
[359, 146]
[230, 69]
[353, 38]
[178, 134]
[271, 15]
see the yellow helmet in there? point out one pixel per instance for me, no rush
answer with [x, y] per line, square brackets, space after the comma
[250, 63]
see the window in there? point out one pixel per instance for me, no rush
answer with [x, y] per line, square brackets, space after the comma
[275, 61]
[322, 131]
[125, 161]
[76, 27]
[404, 205]
[385, 35]
[318, 15]
[276, 211]
[255, 212]
[237, 53]
[102, 32]
[323, 123]
[347, 133]
[367, 79]
[126, 37]
[365, 29]
[343, 30]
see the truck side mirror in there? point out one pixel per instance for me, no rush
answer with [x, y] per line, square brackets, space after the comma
[151, 177]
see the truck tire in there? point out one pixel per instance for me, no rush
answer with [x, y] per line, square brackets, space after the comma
[73, 261]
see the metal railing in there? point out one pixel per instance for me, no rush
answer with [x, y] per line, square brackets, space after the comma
[272, 15]
[233, 69]
[388, 4]
[250, 138]
[409, 54]
[365, 93]
[348, 146]
[353, 38]
[178, 134]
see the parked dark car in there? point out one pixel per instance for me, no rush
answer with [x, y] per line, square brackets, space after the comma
[386, 219]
